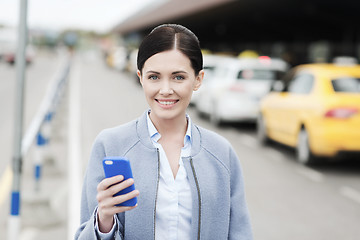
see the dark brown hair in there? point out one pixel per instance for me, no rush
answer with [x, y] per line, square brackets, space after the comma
[167, 37]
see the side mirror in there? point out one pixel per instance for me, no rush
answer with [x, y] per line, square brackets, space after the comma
[277, 86]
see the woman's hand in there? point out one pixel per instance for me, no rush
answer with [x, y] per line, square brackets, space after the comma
[107, 201]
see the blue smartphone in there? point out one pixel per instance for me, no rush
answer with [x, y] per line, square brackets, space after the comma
[114, 166]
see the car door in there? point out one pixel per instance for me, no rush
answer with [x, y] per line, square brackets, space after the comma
[297, 105]
[273, 107]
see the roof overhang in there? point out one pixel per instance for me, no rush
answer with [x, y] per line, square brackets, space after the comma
[165, 11]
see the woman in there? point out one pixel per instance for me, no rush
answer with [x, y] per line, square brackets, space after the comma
[188, 180]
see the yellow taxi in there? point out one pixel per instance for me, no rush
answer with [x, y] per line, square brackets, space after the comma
[315, 109]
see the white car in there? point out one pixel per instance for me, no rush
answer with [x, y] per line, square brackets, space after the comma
[238, 84]
[8, 47]
[211, 61]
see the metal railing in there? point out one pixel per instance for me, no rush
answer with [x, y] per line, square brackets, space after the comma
[38, 135]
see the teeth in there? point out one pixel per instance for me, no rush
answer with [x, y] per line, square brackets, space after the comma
[167, 102]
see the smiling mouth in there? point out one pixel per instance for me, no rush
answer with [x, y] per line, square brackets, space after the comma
[166, 102]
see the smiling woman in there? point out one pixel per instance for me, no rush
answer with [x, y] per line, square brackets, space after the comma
[188, 180]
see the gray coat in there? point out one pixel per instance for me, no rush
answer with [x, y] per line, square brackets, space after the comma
[219, 209]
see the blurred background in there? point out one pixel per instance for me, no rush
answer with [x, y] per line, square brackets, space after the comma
[282, 84]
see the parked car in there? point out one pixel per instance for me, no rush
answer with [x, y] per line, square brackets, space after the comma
[211, 61]
[238, 84]
[8, 47]
[315, 109]
[117, 58]
[9, 55]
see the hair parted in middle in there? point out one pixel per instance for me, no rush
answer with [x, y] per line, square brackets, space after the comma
[167, 37]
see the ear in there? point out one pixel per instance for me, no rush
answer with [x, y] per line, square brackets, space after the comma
[198, 80]
[139, 76]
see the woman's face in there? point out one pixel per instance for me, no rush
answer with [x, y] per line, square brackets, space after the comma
[168, 81]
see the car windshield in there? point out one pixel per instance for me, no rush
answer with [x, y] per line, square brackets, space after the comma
[261, 74]
[346, 84]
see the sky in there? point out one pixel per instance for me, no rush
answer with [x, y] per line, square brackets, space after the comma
[97, 15]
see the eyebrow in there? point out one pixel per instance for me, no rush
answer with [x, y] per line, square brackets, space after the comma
[177, 72]
[173, 73]
[148, 72]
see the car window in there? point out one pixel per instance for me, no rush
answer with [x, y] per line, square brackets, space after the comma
[301, 84]
[346, 84]
[209, 68]
[263, 74]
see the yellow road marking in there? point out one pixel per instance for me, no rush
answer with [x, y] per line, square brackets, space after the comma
[5, 184]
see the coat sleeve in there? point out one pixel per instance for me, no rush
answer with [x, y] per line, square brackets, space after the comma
[93, 175]
[240, 227]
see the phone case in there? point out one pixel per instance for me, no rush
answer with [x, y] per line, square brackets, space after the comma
[120, 166]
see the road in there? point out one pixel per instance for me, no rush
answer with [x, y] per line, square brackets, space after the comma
[286, 200]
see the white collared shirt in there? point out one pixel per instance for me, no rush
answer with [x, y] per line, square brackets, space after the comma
[174, 200]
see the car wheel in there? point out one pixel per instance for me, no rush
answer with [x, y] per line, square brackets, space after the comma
[261, 130]
[303, 151]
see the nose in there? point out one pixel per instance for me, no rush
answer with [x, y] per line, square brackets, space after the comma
[166, 88]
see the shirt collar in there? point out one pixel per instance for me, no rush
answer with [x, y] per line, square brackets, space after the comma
[155, 135]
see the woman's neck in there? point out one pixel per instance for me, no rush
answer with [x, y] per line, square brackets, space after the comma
[168, 127]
